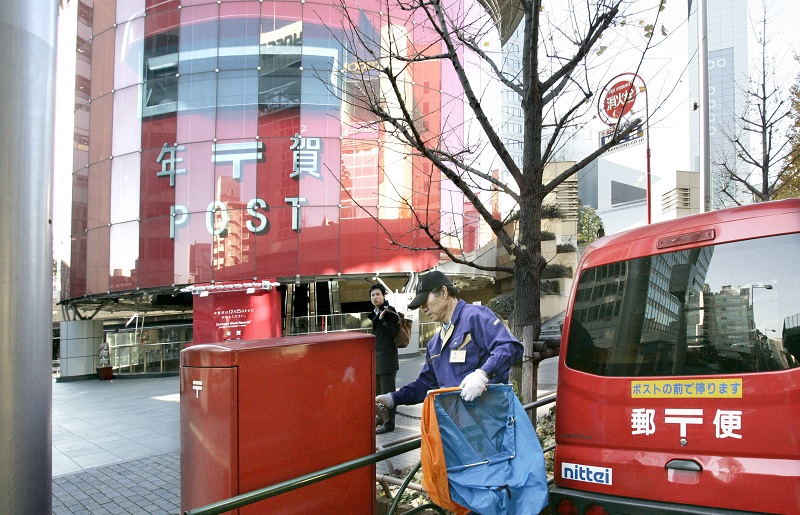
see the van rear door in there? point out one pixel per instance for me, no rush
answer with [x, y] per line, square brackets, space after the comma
[679, 380]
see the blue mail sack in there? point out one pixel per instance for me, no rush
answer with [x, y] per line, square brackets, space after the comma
[493, 458]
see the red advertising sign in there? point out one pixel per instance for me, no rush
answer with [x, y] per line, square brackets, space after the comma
[619, 99]
[236, 315]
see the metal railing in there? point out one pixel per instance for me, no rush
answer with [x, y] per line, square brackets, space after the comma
[321, 475]
[146, 357]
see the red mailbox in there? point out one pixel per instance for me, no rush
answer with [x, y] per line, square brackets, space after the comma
[256, 413]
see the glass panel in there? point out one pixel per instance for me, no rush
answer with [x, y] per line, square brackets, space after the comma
[193, 250]
[234, 244]
[160, 88]
[102, 15]
[315, 165]
[129, 50]
[83, 72]
[237, 97]
[125, 173]
[194, 190]
[157, 130]
[359, 175]
[184, 3]
[97, 245]
[277, 251]
[315, 84]
[127, 125]
[156, 252]
[80, 201]
[103, 63]
[362, 257]
[704, 311]
[99, 191]
[391, 258]
[77, 270]
[197, 92]
[235, 193]
[237, 88]
[239, 35]
[129, 9]
[100, 122]
[157, 195]
[235, 173]
[156, 6]
[319, 239]
[281, 49]
[124, 254]
[274, 174]
[322, 53]
[199, 37]
[360, 87]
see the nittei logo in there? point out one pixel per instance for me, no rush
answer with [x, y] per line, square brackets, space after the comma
[586, 473]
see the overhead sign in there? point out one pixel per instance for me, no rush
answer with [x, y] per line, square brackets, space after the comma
[619, 99]
[634, 138]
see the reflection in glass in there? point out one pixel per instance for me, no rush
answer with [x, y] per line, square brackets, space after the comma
[125, 188]
[124, 254]
[127, 128]
[197, 91]
[160, 88]
[97, 257]
[129, 50]
[239, 31]
[703, 311]
[198, 39]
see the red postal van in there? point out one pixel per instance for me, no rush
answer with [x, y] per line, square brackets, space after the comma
[679, 374]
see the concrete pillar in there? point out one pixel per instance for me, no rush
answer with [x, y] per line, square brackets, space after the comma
[80, 342]
[27, 87]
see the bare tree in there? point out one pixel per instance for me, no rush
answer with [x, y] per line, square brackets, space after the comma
[757, 160]
[556, 82]
[789, 182]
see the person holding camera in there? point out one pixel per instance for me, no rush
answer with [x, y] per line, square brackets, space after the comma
[385, 326]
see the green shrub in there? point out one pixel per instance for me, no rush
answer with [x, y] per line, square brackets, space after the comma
[565, 248]
[550, 287]
[546, 429]
[556, 271]
[552, 211]
[501, 305]
[548, 236]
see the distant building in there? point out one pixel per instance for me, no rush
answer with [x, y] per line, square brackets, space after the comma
[728, 71]
[684, 199]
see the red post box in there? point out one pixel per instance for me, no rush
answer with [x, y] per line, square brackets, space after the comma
[256, 413]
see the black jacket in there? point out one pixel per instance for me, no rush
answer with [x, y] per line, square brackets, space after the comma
[385, 329]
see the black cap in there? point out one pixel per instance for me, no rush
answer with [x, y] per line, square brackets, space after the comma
[428, 283]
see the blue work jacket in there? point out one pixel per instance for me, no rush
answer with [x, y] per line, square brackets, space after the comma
[485, 342]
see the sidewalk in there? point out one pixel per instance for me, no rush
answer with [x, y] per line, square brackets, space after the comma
[116, 444]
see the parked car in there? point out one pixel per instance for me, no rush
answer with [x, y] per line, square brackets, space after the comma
[679, 372]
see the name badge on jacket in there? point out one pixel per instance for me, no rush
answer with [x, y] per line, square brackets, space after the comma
[458, 356]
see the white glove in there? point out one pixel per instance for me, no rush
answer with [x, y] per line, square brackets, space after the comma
[386, 399]
[474, 385]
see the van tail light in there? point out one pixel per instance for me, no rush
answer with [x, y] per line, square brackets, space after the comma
[567, 507]
[595, 509]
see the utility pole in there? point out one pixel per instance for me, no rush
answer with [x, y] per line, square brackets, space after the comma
[27, 109]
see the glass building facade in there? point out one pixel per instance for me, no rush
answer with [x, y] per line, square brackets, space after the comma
[224, 141]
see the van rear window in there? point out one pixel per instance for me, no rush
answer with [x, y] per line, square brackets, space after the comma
[719, 309]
